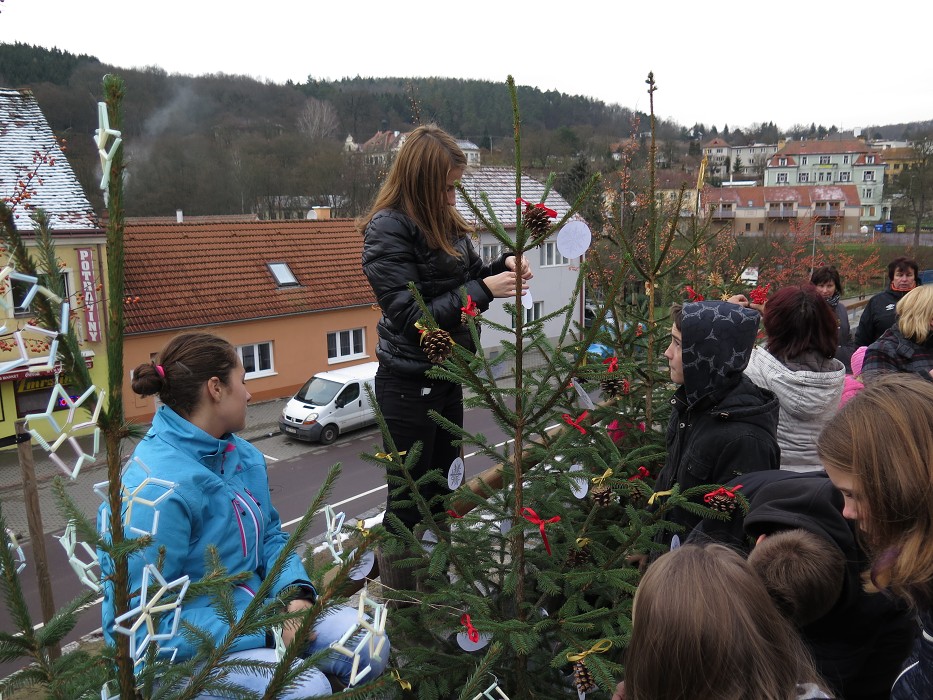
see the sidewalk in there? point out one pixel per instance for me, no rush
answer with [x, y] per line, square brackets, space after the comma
[261, 421]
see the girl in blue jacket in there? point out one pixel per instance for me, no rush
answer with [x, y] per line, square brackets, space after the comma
[196, 484]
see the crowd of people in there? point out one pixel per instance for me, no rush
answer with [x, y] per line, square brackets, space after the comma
[822, 589]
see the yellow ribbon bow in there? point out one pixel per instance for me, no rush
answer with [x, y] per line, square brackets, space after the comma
[599, 480]
[398, 678]
[388, 456]
[582, 541]
[601, 647]
[363, 531]
[656, 494]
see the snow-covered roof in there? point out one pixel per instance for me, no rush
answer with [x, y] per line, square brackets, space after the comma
[32, 161]
[498, 183]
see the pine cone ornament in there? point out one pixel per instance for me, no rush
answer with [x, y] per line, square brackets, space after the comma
[578, 556]
[601, 495]
[722, 499]
[437, 345]
[614, 387]
[583, 678]
[722, 503]
[537, 222]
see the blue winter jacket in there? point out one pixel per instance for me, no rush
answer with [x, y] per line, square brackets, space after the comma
[220, 497]
[916, 680]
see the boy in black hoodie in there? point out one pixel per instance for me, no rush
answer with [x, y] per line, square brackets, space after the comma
[721, 425]
[860, 643]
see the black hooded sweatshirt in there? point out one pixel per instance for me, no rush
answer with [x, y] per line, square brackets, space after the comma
[722, 425]
[860, 644]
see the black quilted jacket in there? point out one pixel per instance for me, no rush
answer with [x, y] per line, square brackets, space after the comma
[395, 253]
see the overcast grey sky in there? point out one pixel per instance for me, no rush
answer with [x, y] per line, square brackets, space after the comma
[720, 62]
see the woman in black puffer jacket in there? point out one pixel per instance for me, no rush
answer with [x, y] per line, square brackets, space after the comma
[413, 234]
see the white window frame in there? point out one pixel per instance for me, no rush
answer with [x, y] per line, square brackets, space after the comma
[803, 160]
[867, 193]
[868, 176]
[490, 252]
[24, 311]
[352, 355]
[845, 177]
[824, 160]
[533, 314]
[782, 178]
[845, 160]
[253, 349]
[803, 177]
[282, 274]
[550, 255]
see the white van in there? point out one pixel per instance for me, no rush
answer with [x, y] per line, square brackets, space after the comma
[330, 403]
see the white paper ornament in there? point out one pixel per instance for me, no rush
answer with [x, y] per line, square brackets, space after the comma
[428, 541]
[467, 644]
[579, 485]
[527, 300]
[332, 536]
[585, 399]
[455, 474]
[675, 542]
[363, 567]
[574, 239]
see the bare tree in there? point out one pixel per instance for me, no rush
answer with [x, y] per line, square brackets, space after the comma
[318, 119]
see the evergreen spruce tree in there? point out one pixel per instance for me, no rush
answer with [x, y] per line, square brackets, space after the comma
[526, 583]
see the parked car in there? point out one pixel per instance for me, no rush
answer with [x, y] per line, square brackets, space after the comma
[330, 403]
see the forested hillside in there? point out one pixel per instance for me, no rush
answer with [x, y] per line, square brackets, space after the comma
[225, 144]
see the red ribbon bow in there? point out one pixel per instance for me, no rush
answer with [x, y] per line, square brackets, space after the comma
[454, 514]
[613, 363]
[640, 474]
[721, 491]
[693, 295]
[759, 295]
[550, 212]
[532, 517]
[472, 632]
[575, 422]
[470, 308]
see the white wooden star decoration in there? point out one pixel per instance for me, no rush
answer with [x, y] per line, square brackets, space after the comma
[110, 691]
[19, 557]
[84, 570]
[373, 639]
[67, 432]
[131, 499]
[488, 693]
[279, 643]
[101, 137]
[149, 606]
[332, 537]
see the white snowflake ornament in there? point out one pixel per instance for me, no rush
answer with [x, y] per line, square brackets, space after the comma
[83, 569]
[148, 606]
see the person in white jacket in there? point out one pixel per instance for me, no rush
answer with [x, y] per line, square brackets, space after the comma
[798, 364]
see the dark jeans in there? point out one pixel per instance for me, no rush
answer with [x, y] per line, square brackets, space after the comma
[405, 403]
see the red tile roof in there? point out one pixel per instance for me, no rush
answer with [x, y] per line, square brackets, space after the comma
[198, 273]
[808, 148]
[804, 195]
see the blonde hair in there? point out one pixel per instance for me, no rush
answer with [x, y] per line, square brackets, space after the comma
[704, 628]
[416, 186]
[915, 312]
[883, 439]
